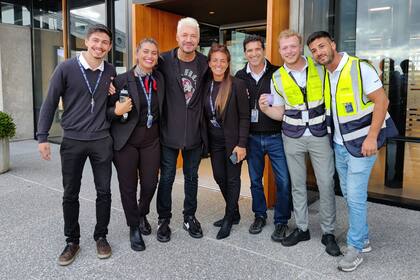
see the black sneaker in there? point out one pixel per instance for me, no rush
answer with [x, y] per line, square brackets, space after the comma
[331, 246]
[192, 225]
[279, 233]
[163, 231]
[257, 225]
[295, 237]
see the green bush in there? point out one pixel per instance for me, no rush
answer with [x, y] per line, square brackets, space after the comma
[7, 126]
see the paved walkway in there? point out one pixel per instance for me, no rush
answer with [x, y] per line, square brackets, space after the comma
[31, 236]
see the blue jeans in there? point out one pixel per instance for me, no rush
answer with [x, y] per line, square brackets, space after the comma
[258, 147]
[354, 175]
[191, 162]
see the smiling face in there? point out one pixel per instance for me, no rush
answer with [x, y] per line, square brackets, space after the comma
[98, 45]
[323, 50]
[255, 54]
[187, 38]
[218, 64]
[290, 49]
[147, 56]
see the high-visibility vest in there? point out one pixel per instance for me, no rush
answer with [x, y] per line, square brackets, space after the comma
[354, 110]
[299, 102]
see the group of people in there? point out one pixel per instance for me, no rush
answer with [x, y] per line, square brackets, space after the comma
[331, 105]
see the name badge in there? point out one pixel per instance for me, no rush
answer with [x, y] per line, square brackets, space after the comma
[149, 121]
[305, 116]
[254, 115]
[349, 107]
[215, 123]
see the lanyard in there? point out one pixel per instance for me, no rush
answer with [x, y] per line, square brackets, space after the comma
[92, 92]
[148, 95]
[213, 110]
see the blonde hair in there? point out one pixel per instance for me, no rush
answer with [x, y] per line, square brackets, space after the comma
[290, 33]
[188, 21]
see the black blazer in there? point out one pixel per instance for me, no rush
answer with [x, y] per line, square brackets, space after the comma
[235, 117]
[120, 132]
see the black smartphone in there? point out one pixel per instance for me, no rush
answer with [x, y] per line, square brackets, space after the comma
[234, 158]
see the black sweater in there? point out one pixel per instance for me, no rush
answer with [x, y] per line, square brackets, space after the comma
[78, 122]
[180, 123]
[265, 124]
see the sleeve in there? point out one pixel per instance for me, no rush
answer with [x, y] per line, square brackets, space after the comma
[370, 78]
[243, 111]
[47, 112]
[278, 100]
[112, 99]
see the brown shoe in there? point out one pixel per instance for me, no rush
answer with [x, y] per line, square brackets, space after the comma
[102, 248]
[69, 254]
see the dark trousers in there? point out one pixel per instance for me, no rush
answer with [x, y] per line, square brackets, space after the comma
[191, 162]
[228, 176]
[140, 157]
[74, 154]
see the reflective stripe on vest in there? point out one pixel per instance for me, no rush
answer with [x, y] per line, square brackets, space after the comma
[354, 110]
[295, 103]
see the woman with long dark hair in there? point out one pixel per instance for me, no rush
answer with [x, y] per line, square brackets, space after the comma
[135, 129]
[226, 111]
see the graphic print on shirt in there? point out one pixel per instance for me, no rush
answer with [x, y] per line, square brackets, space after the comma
[189, 83]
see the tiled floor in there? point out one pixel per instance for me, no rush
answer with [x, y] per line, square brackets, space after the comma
[31, 236]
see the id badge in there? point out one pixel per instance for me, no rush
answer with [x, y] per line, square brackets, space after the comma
[149, 121]
[349, 107]
[254, 115]
[215, 123]
[305, 116]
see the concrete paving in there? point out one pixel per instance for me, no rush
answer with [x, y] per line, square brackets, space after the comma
[31, 236]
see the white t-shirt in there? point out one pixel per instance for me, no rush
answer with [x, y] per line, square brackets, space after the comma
[300, 78]
[370, 81]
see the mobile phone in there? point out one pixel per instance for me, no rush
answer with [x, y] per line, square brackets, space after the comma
[234, 158]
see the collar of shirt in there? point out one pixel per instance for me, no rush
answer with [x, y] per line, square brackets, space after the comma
[291, 70]
[343, 61]
[86, 65]
[248, 69]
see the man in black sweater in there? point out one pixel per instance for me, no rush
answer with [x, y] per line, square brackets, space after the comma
[82, 83]
[184, 69]
[264, 139]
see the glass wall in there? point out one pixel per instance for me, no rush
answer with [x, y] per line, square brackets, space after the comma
[15, 12]
[48, 52]
[385, 32]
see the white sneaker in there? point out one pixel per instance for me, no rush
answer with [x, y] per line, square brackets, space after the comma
[366, 246]
[351, 260]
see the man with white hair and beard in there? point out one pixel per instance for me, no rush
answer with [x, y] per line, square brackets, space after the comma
[184, 69]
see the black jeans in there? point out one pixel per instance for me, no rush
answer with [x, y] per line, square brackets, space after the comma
[74, 154]
[191, 162]
[226, 174]
[140, 157]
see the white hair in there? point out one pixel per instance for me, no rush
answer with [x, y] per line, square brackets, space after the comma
[188, 21]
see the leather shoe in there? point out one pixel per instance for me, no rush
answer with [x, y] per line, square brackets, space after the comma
[225, 229]
[69, 254]
[136, 240]
[163, 231]
[144, 226]
[235, 221]
[331, 246]
[279, 233]
[295, 237]
[257, 225]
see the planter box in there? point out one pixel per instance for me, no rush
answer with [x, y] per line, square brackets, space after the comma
[4, 155]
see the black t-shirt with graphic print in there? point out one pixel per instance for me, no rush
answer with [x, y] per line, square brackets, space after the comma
[189, 76]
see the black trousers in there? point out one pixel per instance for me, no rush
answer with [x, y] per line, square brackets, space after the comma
[74, 154]
[226, 174]
[140, 157]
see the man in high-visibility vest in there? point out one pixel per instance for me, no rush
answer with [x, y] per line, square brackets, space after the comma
[299, 84]
[356, 110]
